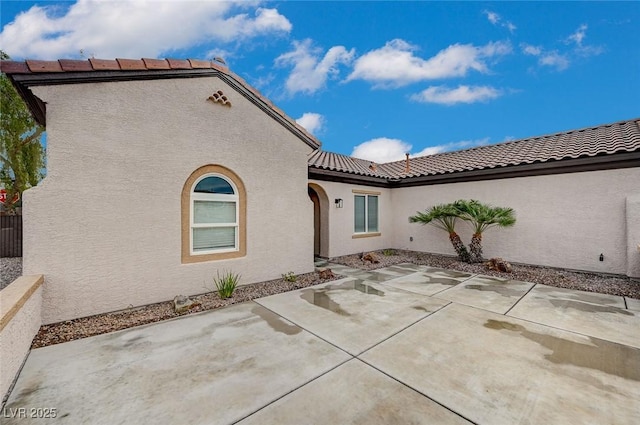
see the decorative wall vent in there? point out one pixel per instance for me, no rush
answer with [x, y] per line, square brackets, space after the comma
[219, 97]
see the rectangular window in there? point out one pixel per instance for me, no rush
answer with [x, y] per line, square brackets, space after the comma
[365, 213]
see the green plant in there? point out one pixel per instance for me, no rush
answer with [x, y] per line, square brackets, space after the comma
[22, 158]
[482, 217]
[388, 252]
[226, 283]
[444, 217]
[289, 277]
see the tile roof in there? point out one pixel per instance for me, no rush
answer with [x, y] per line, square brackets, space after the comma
[337, 162]
[144, 65]
[619, 137]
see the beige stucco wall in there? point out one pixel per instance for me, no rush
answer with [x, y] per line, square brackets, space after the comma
[341, 220]
[20, 320]
[104, 225]
[633, 236]
[563, 220]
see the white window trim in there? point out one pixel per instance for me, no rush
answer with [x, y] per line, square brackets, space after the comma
[197, 196]
[366, 196]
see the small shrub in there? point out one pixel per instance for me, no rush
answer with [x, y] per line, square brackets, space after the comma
[289, 277]
[226, 284]
[388, 252]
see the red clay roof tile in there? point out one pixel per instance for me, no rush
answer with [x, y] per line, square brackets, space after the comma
[179, 64]
[69, 65]
[104, 64]
[132, 64]
[10, 67]
[44, 66]
[156, 63]
[199, 64]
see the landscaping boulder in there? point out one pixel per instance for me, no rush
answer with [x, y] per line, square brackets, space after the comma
[371, 258]
[326, 273]
[500, 265]
[182, 303]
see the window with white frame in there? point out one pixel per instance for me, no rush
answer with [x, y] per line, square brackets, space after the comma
[365, 213]
[214, 215]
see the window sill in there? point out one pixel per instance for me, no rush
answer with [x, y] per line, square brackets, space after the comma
[365, 235]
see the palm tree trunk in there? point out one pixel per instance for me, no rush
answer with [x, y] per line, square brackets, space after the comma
[459, 247]
[475, 248]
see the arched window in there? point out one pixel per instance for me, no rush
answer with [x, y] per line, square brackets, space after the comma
[213, 215]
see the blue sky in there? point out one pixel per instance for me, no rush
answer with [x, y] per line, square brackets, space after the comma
[376, 79]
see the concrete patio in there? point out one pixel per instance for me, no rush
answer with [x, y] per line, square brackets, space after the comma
[404, 344]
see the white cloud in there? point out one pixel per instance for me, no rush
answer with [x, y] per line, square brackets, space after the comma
[461, 94]
[310, 71]
[555, 60]
[135, 29]
[552, 58]
[447, 147]
[384, 149]
[578, 35]
[528, 49]
[493, 17]
[381, 150]
[395, 64]
[313, 122]
[496, 19]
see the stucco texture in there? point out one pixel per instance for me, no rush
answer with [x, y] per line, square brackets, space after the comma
[341, 220]
[104, 225]
[563, 220]
[17, 334]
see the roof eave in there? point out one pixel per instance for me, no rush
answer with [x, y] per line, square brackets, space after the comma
[23, 82]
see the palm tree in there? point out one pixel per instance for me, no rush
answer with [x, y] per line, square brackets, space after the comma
[444, 217]
[482, 217]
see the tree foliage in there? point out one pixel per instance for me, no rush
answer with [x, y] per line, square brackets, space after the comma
[444, 217]
[22, 158]
[481, 217]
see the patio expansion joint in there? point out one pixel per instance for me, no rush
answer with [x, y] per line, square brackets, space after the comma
[305, 329]
[294, 389]
[403, 329]
[420, 392]
[520, 299]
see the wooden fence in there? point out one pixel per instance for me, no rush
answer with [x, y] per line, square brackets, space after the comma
[10, 236]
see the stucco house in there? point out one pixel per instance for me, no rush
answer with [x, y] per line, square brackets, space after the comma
[163, 172]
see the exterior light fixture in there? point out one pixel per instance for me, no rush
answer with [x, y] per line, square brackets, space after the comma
[338, 203]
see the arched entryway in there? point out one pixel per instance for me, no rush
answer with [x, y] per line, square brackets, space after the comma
[320, 220]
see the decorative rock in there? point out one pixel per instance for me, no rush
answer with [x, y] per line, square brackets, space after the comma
[182, 303]
[371, 257]
[500, 265]
[326, 273]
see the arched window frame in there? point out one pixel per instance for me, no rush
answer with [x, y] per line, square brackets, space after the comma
[188, 198]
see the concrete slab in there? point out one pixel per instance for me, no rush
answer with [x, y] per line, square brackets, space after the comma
[214, 367]
[354, 393]
[428, 282]
[633, 304]
[351, 313]
[494, 369]
[488, 293]
[599, 315]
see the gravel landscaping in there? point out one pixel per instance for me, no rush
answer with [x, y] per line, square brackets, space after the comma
[583, 281]
[109, 322]
[10, 270]
[95, 325]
